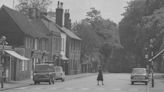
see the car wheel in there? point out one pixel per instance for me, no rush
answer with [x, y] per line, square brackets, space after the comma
[53, 80]
[62, 80]
[146, 83]
[132, 82]
[50, 81]
[35, 82]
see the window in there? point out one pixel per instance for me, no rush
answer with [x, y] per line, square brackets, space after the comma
[63, 44]
[27, 42]
[35, 44]
[24, 65]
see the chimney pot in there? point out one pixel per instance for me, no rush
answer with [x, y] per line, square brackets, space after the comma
[59, 14]
[58, 4]
[61, 5]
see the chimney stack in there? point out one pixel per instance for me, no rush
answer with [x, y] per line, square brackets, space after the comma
[32, 13]
[67, 20]
[59, 14]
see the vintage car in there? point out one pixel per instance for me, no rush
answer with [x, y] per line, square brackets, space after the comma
[139, 75]
[44, 73]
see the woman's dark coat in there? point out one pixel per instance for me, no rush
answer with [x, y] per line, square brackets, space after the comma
[100, 76]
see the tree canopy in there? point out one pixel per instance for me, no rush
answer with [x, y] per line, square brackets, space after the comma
[99, 36]
[143, 21]
[24, 5]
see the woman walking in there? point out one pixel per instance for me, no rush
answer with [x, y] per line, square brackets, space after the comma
[100, 76]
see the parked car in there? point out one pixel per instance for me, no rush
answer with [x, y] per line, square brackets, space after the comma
[59, 73]
[44, 73]
[139, 75]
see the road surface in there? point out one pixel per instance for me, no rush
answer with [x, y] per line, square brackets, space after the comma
[112, 83]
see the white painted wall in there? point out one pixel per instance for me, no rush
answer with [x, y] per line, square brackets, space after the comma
[63, 44]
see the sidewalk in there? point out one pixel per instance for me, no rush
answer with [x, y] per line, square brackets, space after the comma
[158, 75]
[158, 85]
[17, 84]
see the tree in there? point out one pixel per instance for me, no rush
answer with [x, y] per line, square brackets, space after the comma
[99, 36]
[143, 20]
[24, 5]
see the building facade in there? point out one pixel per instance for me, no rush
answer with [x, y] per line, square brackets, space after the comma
[26, 40]
[72, 42]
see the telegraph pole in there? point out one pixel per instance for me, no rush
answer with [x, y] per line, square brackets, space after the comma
[152, 62]
[3, 42]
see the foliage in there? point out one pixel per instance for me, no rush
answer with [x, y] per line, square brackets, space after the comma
[24, 5]
[143, 20]
[99, 36]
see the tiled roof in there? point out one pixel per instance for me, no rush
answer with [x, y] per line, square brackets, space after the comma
[51, 26]
[70, 33]
[65, 30]
[25, 24]
[40, 26]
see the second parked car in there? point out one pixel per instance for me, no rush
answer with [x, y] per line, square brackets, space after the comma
[59, 73]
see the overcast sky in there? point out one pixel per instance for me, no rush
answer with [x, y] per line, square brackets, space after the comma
[110, 9]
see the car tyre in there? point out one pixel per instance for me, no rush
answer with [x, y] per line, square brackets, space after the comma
[53, 80]
[35, 82]
[132, 83]
[62, 80]
[50, 81]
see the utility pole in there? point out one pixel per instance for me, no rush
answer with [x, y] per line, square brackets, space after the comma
[3, 42]
[152, 62]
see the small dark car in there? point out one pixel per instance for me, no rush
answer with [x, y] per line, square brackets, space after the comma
[139, 75]
[44, 73]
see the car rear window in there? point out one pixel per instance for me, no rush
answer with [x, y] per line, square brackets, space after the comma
[45, 68]
[58, 69]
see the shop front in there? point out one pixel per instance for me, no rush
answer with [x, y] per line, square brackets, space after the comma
[15, 65]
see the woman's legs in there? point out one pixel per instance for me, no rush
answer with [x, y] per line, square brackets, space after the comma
[102, 82]
[97, 82]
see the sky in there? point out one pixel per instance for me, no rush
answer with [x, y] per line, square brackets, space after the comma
[110, 9]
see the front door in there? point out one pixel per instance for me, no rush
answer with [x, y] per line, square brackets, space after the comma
[13, 69]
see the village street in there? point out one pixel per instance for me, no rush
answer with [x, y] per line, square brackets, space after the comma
[112, 83]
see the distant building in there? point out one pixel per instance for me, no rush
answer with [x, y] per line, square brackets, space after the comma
[71, 47]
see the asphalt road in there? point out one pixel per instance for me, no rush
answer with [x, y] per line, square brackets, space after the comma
[112, 83]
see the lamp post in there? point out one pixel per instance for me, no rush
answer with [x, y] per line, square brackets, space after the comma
[3, 42]
[151, 62]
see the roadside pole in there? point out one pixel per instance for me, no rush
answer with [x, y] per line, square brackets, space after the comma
[152, 75]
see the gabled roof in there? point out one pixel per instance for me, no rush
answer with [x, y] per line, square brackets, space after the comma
[70, 33]
[65, 30]
[24, 23]
[51, 26]
[40, 26]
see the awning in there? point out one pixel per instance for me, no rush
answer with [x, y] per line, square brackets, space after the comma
[63, 57]
[16, 55]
